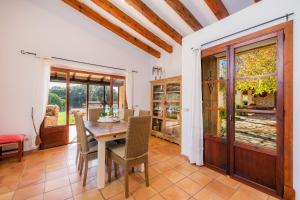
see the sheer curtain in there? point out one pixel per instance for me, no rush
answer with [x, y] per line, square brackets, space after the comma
[41, 93]
[196, 129]
[129, 89]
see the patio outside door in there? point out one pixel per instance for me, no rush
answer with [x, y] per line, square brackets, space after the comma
[243, 112]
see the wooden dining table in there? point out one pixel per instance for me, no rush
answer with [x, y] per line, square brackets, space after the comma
[104, 132]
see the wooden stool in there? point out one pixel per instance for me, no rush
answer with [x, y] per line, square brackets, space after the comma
[12, 139]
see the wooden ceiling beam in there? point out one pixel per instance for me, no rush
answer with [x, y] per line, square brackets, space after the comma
[126, 19]
[185, 14]
[256, 1]
[87, 11]
[218, 8]
[155, 19]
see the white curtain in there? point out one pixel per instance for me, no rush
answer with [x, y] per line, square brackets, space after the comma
[41, 92]
[129, 89]
[196, 129]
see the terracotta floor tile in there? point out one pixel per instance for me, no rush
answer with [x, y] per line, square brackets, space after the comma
[78, 188]
[38, 197]
[160, 183]
[220, 189]
[248, 193]
[226, 180]
[144, 193]
[56, 183]
[173, 176]
[185, 169]
[7, 196]
[205, 194]
[88, 195]
[59, 194]
[189, 186]
[29, 191]
[56, 174]
[175, 193]
[208, 172]
[121, 196]
[112, 189]
[152, 173]
[161, 167]
[157, 197]
[31, 179]
[200, 178]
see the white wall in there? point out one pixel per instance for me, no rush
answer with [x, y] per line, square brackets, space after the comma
[255, 14]
[52, 28]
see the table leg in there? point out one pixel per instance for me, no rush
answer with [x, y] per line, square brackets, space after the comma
[101, 164]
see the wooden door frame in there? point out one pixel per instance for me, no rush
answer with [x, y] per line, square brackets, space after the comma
[287, 28]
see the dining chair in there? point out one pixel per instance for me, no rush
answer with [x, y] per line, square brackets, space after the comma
[90, 138]
[128, 113]
[94, 114]
[134, 151]
[87, 150]
[144, 113]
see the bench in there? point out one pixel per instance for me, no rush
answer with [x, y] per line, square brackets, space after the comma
[12, 139]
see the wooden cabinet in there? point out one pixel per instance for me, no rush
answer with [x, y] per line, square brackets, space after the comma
[166, 108]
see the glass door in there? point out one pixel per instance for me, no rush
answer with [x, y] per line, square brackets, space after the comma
[257, 112]
[214, 90]
[158, 93]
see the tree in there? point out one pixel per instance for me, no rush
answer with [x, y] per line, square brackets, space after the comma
[260, 61]
[54, 99]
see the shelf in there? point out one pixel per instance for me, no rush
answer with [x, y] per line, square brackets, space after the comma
[172, 119]
[173, 91]
[158, 92]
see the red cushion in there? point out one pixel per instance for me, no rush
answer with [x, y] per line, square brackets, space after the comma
[14, 138]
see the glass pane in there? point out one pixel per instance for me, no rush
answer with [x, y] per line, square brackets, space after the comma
[173, 91]
[173, 111]
[107, 98]
[56, 109]
[173, 129]
[255, 93]
[214, 75]
[158, 92]
[157, 109]
[96, 96]
[118, 95]
[157, 124]
[77, 100]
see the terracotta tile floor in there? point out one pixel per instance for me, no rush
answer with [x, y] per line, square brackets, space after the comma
[52, 175]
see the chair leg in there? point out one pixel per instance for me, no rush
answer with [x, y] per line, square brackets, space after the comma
[146, 173]
[86, 162]
[109, 167]
[126, 182]
[81, 165]
[77, 155]
[20, 151]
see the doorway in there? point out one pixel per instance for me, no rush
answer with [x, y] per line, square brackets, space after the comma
[243, 111]
[71, 91]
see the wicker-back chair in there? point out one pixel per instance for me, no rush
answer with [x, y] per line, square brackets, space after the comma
[128, 113]
[94, 114]
[87, 150]
[135, 150]
[144, 113]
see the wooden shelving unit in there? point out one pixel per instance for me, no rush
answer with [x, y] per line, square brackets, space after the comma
[166, 109]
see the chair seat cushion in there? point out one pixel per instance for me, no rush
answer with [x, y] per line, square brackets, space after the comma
[118, 150]
[13, 138]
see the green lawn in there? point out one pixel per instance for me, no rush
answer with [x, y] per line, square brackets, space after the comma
[62, 118]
